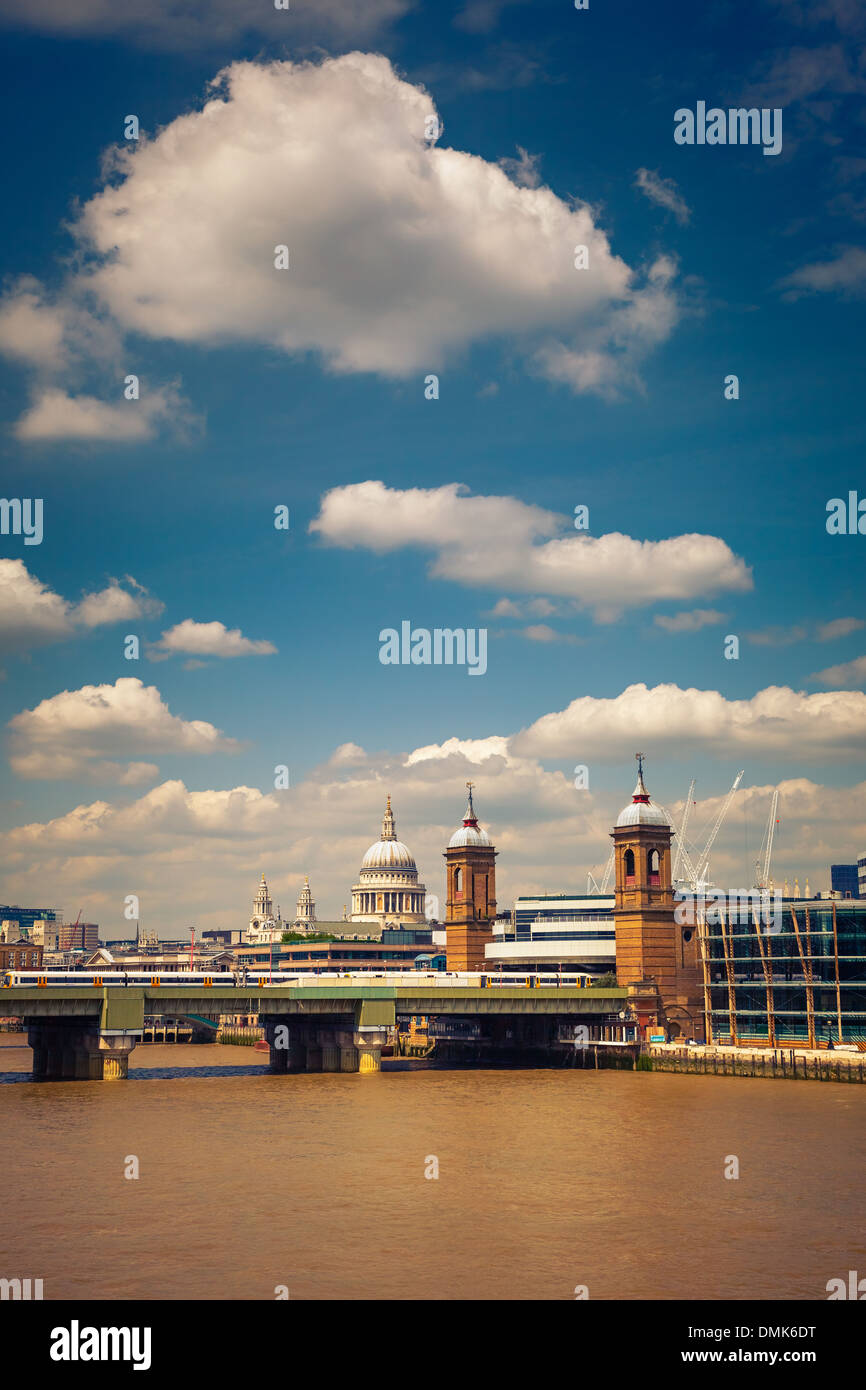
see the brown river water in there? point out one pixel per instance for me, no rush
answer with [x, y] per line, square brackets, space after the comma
[548, 1180]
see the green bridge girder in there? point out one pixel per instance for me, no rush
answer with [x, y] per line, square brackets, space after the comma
[117, 1007]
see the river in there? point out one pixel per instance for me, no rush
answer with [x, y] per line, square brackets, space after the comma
[548, 1181]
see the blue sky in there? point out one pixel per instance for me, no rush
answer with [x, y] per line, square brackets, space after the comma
[758, 272]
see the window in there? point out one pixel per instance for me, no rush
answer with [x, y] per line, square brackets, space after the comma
[628, 865]
[652, 865]
[458, 880]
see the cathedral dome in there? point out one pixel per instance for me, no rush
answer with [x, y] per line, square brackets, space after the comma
[641, 810]
[388, 891]
[388, 854]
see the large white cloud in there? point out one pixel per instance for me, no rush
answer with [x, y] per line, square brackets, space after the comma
[401, 251]
[83, 733]
[501, 542]
[196, 856]
[776, 722]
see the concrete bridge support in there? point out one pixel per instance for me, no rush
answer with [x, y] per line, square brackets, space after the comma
[74, 1053]
[343, 1046]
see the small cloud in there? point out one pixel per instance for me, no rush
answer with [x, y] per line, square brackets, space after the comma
[847, 675]
[55, 415]
[845, 274]
[691, 621]
[524, 169]
[482, 16]
[207, 639]
[777, 636]
[664, 192]
[839, 627]
[542, 632]
[115, 605]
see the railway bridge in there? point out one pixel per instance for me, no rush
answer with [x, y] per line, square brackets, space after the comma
[86, 1032]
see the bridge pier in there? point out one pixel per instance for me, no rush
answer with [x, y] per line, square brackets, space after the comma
[313, 1047]
[64, 1052]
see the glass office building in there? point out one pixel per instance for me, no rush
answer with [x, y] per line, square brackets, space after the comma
[801, 981]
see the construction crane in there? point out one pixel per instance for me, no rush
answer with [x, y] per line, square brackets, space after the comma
[695, 876]
[762, 863]
[704, 861]
[681, 833]
[592, 885]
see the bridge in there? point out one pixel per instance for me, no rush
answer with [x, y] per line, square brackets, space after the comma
[86, 1032]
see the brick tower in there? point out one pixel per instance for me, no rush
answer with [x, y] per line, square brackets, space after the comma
[655, 957]
[471, 902]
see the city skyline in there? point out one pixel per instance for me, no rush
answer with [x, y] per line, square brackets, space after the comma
[413, 255]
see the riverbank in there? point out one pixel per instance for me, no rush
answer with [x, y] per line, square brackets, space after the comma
[781, 1063]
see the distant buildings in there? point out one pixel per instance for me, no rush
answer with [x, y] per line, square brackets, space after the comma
[78, 936]
[20, 955]
[844, 880]
[555, 932]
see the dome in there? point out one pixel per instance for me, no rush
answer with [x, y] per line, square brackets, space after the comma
[641, 810]
[388, 854]
[470, 832]
[468, 835]
[388, 891]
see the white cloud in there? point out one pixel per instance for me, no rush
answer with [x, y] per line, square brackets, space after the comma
[664, 193]
[30, 329]
[838, 627]
[482, 16]
[55, 415]
[844, 274]
[543, 632]
[209, 639]
[500, 542]
[79, 733]
[168, 24]
[524, 169]
[691, 621]
[848, 673]
[773, 722]
[31, 614]
[197, 855]
[445, 250]
[114, 604]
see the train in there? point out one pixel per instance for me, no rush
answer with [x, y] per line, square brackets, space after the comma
[259, 979]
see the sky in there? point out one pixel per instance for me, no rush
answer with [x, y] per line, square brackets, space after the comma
[255, 469]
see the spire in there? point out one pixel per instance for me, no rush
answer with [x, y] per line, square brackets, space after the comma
[470, 817]
[640, 792]
[389, 831]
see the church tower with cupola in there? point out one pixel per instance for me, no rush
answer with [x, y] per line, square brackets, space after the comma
[305, 919]
[470, 866]
[656, 958]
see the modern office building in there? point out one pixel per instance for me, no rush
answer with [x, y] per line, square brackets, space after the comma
[26, 917]
[78, 936]
[557, 931]
[861, 875]
[844, 880]
[799, 982]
